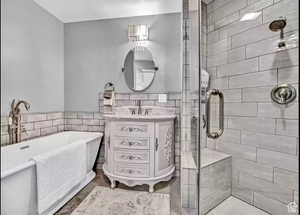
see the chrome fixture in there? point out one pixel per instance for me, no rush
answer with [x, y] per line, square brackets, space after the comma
[278, 25]
[138, 103]
[132, 111]
[217, 134]
[147, 110]
[14, 121]
[138, 32]
[283, 94]
[138, 110]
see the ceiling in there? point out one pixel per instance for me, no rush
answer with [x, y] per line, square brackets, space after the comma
[83, 10]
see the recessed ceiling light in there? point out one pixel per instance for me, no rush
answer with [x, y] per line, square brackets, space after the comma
[250, 16]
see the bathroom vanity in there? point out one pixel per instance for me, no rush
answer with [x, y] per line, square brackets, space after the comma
[139, 148]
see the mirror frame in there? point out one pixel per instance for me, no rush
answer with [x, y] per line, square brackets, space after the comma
[154, 75]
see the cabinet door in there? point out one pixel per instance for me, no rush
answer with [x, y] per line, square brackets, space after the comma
[164, 147]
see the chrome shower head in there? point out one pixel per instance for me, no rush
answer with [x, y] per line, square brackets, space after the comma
[278, 24]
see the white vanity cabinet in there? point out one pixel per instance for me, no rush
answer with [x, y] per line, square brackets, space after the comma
[139, 150]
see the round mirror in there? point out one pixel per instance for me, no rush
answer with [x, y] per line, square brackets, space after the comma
[139, 69]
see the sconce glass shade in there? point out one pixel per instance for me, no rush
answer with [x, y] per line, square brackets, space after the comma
[138, 32]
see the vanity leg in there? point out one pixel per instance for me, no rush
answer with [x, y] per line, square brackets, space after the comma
[151, 188]
[113, 184]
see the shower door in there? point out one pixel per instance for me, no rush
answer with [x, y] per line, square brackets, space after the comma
[244, 139]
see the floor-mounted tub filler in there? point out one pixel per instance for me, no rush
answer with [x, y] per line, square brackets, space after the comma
[19, 182]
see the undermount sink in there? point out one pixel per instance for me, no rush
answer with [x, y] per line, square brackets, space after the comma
[146, 112]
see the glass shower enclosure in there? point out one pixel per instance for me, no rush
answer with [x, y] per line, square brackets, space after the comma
[239, 117]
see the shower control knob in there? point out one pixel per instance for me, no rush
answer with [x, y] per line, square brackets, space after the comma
[283, 94]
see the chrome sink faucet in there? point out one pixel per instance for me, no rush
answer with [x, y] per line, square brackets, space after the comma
[138, 103]
[14, 121]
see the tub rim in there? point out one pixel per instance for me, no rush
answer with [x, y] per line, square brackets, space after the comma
[30, 163]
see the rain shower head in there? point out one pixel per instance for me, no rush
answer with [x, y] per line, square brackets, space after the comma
[278, 24]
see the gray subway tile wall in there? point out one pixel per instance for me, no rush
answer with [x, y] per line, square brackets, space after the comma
[35, 125]
[253, 168]
[84, 121]
[41, 124]
[262, 137]
[272, 206]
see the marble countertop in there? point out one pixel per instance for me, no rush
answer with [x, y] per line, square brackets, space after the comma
[139, 117]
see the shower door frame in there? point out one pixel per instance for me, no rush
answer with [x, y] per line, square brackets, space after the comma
[199, 104]
[186, 99]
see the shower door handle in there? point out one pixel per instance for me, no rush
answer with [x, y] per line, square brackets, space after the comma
[216, 134]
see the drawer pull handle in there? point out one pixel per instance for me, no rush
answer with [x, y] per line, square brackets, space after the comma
[131, 157]
[131, 143]
[134, 129]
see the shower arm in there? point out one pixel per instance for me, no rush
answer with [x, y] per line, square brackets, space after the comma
[281, 34]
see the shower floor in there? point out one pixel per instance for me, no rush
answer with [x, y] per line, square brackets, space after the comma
[231, 206]
[234, 206]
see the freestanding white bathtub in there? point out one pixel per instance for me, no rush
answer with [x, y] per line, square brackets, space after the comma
[18, 172]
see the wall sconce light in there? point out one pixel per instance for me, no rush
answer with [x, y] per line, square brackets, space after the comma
[138, 32]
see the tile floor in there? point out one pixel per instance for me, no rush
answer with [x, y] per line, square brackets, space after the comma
[171, 187]
[231, 206]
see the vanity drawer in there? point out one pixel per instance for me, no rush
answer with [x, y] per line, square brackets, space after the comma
[131, 142]
[136, 129]
[131, 156]
[138, 170]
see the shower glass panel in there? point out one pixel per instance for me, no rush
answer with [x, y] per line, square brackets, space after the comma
[191, 119]
[240, 148]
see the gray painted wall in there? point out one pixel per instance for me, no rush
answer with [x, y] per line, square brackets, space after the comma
[32, 57]
[95, 52]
